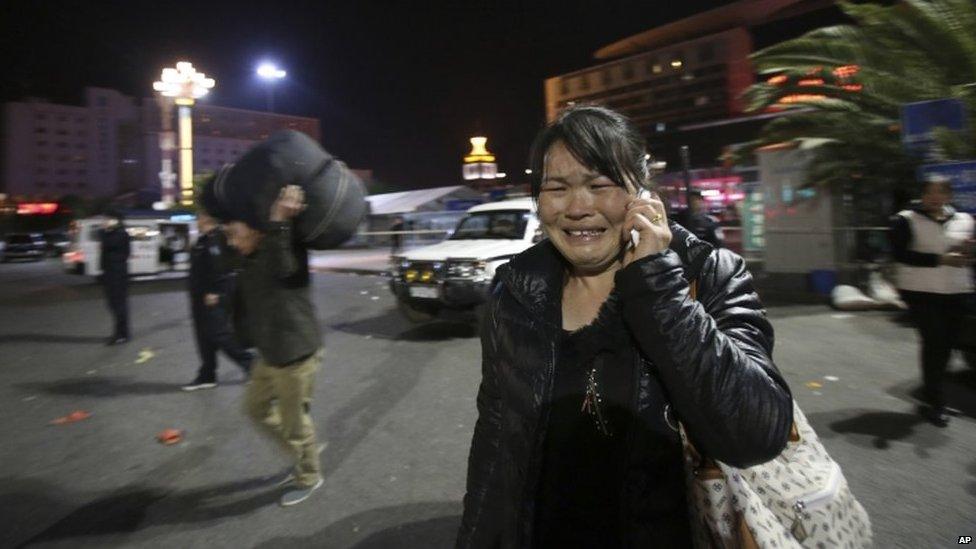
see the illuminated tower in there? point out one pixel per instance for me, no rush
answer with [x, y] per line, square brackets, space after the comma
[479, 168]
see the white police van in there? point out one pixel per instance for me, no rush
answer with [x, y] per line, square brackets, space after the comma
[455, 273]
[159, 243]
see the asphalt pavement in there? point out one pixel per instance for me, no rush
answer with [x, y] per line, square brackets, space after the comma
[395, 402]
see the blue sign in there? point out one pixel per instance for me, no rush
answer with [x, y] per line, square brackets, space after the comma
[461, 204]
[962, 175]
[919, 119]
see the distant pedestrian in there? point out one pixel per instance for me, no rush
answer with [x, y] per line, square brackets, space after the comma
[701, 223]
[211, 285]
[114, 262]
[396, 239]
[933, 245]
[279, 319]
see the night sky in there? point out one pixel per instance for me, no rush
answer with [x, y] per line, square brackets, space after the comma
[398, 86]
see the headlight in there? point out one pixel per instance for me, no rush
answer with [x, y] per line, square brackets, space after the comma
[467, 269]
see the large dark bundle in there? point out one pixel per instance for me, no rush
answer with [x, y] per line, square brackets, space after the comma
[246, 190]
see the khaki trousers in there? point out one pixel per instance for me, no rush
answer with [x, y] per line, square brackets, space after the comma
[278, 400]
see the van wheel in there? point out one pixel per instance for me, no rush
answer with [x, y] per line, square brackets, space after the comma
[418, 313]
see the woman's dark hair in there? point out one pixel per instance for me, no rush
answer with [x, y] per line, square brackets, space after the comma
[599, 138]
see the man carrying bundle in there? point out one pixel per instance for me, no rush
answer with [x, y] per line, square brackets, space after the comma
[279, 320]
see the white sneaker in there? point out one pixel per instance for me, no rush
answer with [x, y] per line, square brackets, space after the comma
[197, 385]
[298, 495]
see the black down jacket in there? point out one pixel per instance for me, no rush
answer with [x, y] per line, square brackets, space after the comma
[709, 359]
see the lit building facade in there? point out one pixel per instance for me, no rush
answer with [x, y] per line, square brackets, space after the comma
[689, 81]
[682, 82]
[109, 146]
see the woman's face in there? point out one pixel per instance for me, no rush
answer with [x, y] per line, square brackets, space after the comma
[582, 212]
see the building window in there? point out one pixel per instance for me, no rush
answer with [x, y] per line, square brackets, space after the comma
[62, 131]
[42, 143]
[706, 53]
[62, 145]
[40, 116]
[42, 184]
[62, 118]
[40, 130]
[677, 63]
[80, 120]
[627, 69]
[654, 65]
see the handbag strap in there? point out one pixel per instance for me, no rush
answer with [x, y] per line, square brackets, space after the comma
[706, 468]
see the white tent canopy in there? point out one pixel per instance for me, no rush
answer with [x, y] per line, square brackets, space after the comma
[419, 200]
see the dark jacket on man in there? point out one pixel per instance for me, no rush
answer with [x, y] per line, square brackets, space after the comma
[708, 359]
[115, 251]
[705, 227]
[277, 315]
[114, 262]
[210, 269]
[211, 273]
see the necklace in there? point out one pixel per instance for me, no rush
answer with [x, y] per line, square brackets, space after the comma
[591, 404]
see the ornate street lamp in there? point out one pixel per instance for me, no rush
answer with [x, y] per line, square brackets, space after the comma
[185, 85]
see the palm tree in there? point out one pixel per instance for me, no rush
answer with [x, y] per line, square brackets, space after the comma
[844, 87]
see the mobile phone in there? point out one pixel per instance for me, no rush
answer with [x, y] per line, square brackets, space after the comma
[642, 194]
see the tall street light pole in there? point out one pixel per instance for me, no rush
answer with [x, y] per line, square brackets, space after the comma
[270, 73]
[185, 85]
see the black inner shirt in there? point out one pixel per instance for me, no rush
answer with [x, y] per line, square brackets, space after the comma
[579, 492]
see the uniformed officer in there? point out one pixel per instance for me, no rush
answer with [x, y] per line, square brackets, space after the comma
[211, 283]
[114, 262]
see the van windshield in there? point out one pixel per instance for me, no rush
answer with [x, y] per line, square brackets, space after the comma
[500, 224]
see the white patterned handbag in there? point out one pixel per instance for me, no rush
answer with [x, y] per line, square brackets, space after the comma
[799, 499]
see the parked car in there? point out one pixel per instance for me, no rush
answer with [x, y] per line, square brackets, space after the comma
[25, 246]
[57, 243]
[455, 274]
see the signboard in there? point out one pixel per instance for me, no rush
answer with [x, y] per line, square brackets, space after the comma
[919, 119]
[753, 221]
[962, 175]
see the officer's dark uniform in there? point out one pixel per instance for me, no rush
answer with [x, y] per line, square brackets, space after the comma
[210, 273]
[114, 261]
[704, 226]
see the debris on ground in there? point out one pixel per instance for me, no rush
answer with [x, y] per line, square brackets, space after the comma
[169, 436]
[145, 355]
[73, 417]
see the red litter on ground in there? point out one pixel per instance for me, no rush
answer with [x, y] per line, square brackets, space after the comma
[169, 436]
[73, 417]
